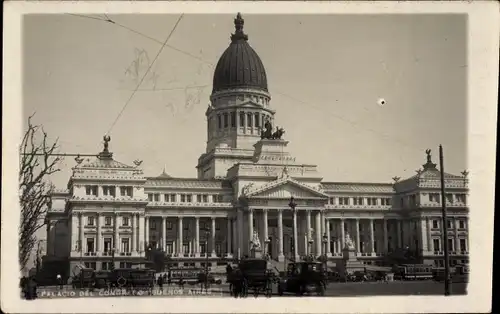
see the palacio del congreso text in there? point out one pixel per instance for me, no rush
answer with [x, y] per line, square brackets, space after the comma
[247, 184]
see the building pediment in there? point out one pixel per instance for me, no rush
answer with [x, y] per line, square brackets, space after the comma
[284, 188]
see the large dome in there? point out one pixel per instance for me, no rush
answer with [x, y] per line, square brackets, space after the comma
[239, 66]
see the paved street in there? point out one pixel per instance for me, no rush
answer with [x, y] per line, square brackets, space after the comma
[334, 290]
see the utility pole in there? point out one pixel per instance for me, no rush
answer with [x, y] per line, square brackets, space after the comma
[445, 227]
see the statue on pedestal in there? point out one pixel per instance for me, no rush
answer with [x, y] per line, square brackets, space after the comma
[348, 242]
[255, 241]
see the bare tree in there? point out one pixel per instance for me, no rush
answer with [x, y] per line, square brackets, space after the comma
[36, 163]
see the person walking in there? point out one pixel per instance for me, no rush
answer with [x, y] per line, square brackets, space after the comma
[59, 281]
[160, 283]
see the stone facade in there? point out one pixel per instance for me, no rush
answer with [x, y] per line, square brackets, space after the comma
[245, 182]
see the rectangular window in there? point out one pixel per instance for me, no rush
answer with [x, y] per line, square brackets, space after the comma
[233, 119]
[91, 190]
[226, 122]
[107, 245]
[173, 198]
[435, 224]
[107, 221]
[218, 248]
[450, 245]
[358, 201]
[449, 198]
[461, 198]
[205, 198]
[461, 224]
[125, 245]
[167, 197]
[436, 244]
[169, 225]
[152, 224]
[463, 245]
[156, 197]
[435, 197]
[372, 201]
[126, 191]
[217, 225]
[150, 197]
[219, 121]
[385, 201]
[92, 265]
[242, 119]
[90, 221]
[257, 121]
[125, 221]
[203, 248]
[343, 201]
[449, 224]
[183, 198]
[331, 200]
[108, 190]
[90, 245]
[170, 248]
[189, 198]
[198, 198]
[185, 248]
[249, 120]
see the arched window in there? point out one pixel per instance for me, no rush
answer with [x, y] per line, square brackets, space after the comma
[249, 120]
[233, 119]
[257, 120]
[219, 121]
[242, 119]
[226, 122]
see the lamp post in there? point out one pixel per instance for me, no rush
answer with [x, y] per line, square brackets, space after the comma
[293, 205]
[325, 243]
[207, 234]
[266, 247]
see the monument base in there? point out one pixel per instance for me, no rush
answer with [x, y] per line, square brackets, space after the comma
[256, 253]
[351, 263]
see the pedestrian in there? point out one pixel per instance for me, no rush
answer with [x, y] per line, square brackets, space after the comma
[160, 283]
[59, 281]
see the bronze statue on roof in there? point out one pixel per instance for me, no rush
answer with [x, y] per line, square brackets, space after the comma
[429, 156]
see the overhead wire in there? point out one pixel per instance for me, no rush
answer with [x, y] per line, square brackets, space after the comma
[164, 44]
[145, 74]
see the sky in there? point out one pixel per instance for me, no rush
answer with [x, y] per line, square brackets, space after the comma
[325, 73]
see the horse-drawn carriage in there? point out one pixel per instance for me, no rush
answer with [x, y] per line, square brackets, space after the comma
[251, 274]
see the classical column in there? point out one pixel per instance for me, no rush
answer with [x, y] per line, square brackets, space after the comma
[457, 241]
[117, 235]
[197, 236]
[295, 236]
[134, 233]
[140, 226]
[250, 220]
[180, 249]
[229, 236]
[386, 241]
[342, 234]
[319, 242]
[234, 241]
[75, 234]
[146, 232]
[266, 226]
[358, 240]
[400, 244]
[280, 234]
[213, 236]
[328, 236]
[372, 237]
[81, 239]
[98, 235]
[240, 233]
[428, 231]
[164, 232]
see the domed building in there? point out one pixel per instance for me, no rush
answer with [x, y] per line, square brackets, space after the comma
[251, 197]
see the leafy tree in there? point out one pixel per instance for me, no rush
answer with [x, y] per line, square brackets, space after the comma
[36, 164]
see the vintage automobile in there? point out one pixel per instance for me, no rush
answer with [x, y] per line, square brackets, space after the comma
[303, 277]
[135, 278]
[83, 277]
[251, 274]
